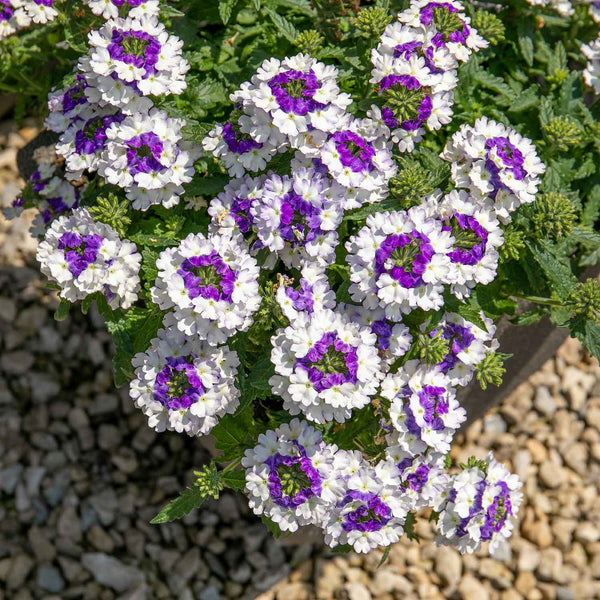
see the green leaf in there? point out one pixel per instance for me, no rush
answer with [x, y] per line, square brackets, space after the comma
[225, 9]
[236, 480]
[273, 528]
[557, 271]
[528, 318]
[525, 33]
[259, 375]
[234, 433]
[384, 556]
[409, 525]
[206, 186]
[185, 503]
[526, 100]
[284, 27]
[587, 332]
[62, 311]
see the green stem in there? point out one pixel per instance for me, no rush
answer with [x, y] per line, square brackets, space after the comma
[539, 300]
[232, 465]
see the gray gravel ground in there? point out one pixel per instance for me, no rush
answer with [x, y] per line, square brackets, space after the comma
[81, 475]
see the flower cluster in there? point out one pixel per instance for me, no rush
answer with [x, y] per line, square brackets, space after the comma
[106, 119]
[84, 256]
[479, 504]
[47, 190]
[494, 162]
[182, 384]
[212, 285]
[414, 68]
[18, 14]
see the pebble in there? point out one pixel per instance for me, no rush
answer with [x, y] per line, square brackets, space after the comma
[357, 591]
[49, 579]
[449, 567]
[111, 572]
[16, 363]
[470, 588]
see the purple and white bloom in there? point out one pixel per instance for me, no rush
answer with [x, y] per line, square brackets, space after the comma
[370, 512]
[290, 476]
[239, 152]
[401, 42]
[468, 345]
[112, 9]
[399, 261]
[325, 366]
[231, 211]
[66, 105]
[212, 285]
[479, 508]
[591, 73]
[594, 9]
[129, 58]
[423, 480]
[84, 256]
[424, 411]
[476, 236]
[83, 143]
[313, 292]
[494, 161]
[461, 39]
[145, 155]
[360, 160]
[295, 218]
[290, 97]
[40, 11]
[13, 17]
[393, 339]
[182, 384]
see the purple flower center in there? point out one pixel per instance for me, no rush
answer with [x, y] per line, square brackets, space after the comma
[404, 257]
[92, 136]
[471, 239]
[300, 221]
[144, 152]
[178, 385]
[294, 91]
[302, 298]
[407, 103]
[354, 151]
[79, 251]
[330, 362]
[371, 515]
[238, 142]
[293, 479]
[6, 10]
[434, 401]
[418, 478]
[208, 276]
[136, 48]
[459, 339]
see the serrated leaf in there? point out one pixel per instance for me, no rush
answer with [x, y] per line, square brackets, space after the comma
[259, 375]
[525, 33]
[225, 9]
[234, 433]
[557, 271]
[528, 318]
[196, 133]
[530, 98]
[185, 503]
[236, 480]
[587, 332]
[284, 27]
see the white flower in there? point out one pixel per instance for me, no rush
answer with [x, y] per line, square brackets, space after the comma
[136, 9]
[290, 476]
[370, 512]
[591, 73]
[325, 366]
[129, 58]
[145, 155]
[295, 218]
[13, 17]
[493, 161]
[480, 504]
[83, 257]
[424, 410]
[399, 262]
[182, 384]
[212, 284]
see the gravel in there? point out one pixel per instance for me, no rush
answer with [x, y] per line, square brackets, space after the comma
[81, 475]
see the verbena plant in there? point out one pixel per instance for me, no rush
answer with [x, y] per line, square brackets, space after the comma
[301, 220]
